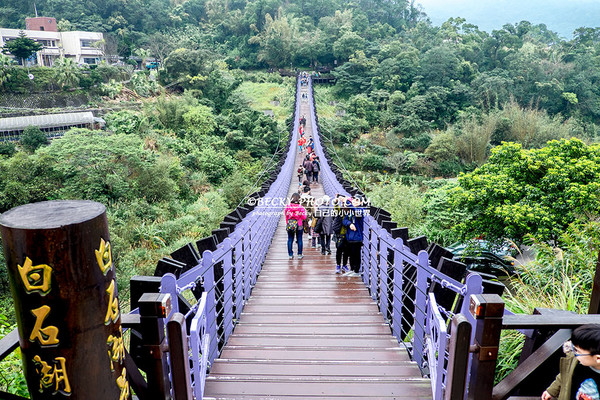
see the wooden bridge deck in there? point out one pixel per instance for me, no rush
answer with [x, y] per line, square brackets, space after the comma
[307, 333]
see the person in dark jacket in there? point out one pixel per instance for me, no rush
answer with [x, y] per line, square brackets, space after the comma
[354, 222]
[339, 230]
[316, 168]
[308, 169]
[324, 225]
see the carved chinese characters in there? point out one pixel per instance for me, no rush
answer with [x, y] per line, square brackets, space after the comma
[64, 288]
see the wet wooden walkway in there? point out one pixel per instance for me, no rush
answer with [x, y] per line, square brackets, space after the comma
[307, 333]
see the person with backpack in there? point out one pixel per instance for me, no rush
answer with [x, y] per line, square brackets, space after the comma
[316, 169]
[354, 221]
[295, 215]
[308, 202]
[339, 234]
[308, 169]
[300, 174]
[324, 225]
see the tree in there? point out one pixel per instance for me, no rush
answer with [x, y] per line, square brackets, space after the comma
[536, 192]
[347, 45]
[5, 61]
[66, 72]
[22, 47]
[33, 138]
[275, 41]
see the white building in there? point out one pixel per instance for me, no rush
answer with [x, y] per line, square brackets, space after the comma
[82, 47]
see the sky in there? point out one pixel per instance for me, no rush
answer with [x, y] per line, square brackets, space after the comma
[561, 16]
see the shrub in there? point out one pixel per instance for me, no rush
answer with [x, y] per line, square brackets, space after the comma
[33, 138]
[124, 122]
[7, 149]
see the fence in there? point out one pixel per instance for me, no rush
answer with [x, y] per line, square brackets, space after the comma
[402, 281]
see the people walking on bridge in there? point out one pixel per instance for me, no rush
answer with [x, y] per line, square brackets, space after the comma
[295, 216]
[308, 168]
[339, 231]
[300, 174]
[324, 227]
[353, 221]
[308, 202]
[316, 169]
[301, 143]
[303, 121]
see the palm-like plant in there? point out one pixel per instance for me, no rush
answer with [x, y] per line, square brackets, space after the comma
[66, 72]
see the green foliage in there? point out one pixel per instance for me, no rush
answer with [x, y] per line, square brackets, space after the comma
[66, 72]
[108, 168]
[168, 112]
[404, 202]
[535, 192]
[12, 379]
[143, 85]
[33, 138]
[124, 122]
[200, 120]
[7, 149]
[215, 164]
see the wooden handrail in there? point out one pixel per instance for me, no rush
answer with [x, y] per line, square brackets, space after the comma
[566, 321]
[9, 343]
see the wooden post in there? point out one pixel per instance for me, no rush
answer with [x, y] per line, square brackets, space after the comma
[458, 358]
[65, 293]
[179, 357]
[594, 307]
[488, 310]
[154, 308]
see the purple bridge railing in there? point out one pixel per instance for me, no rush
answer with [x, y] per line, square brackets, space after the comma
[389, 268]
[390, 271]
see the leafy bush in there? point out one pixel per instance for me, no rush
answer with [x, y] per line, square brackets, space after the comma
[33, 138]
[7, 149]
[216, 165]
[124, 122]
[143, 85]
[404, 202]
[168, 112]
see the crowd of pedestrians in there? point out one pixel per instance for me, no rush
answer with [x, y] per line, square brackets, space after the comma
[326, 222]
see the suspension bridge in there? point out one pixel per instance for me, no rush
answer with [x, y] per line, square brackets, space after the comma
[232, 317]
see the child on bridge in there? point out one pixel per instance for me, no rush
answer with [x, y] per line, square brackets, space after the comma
[579, 375]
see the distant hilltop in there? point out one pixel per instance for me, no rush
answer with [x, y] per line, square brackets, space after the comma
[560, 16]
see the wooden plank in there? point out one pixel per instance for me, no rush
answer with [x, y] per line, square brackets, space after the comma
[567, 321]
[325, 300]
[272, 318]
[242, 368]
[9, 343]
[366, 354]
[338, 329]
[290, 341]
[369, 308]
[406, 389]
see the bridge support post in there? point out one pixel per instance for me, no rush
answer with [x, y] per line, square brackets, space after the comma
[179, 356]
[63, 283]
[488, 310]
[458, 358]
[154, 308]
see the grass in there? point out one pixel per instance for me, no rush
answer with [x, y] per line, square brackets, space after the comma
[261, 95]
[323, 98]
